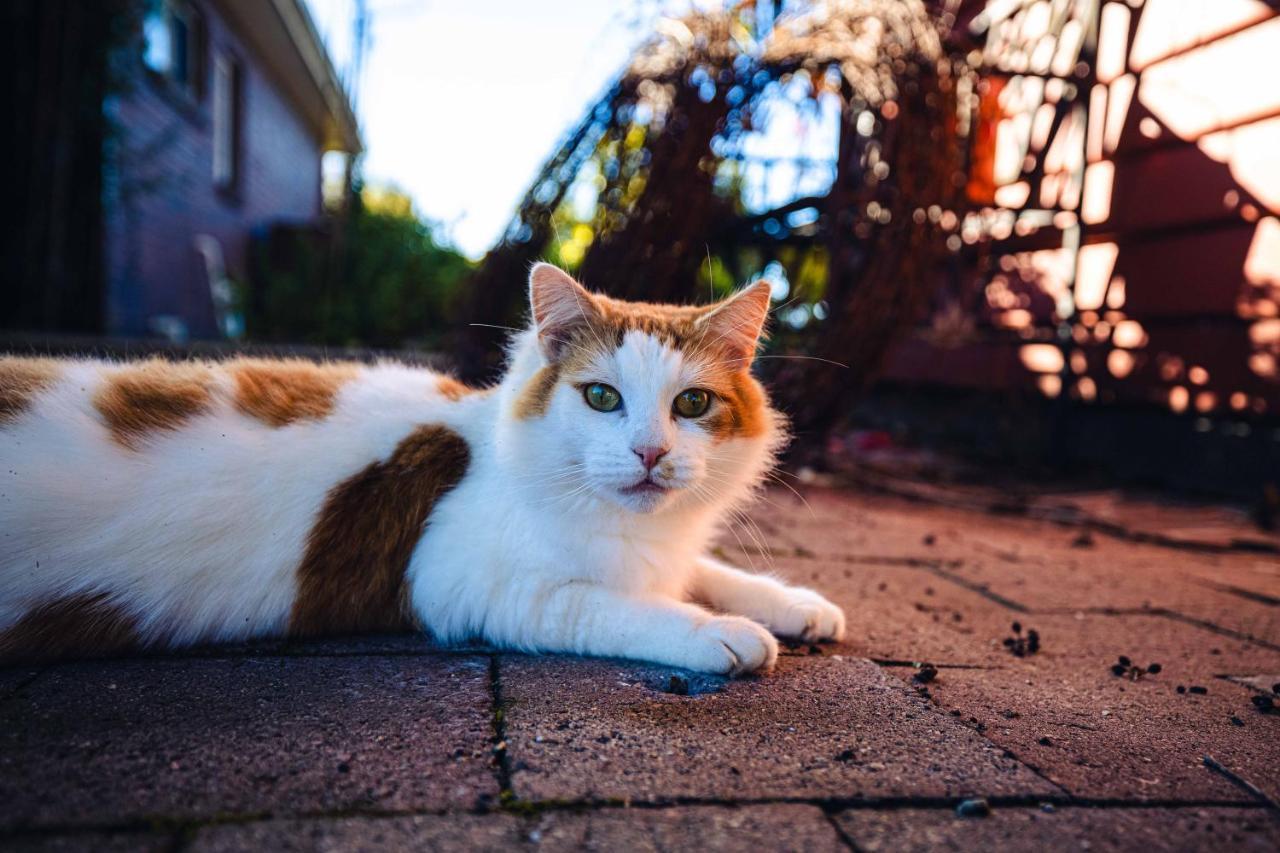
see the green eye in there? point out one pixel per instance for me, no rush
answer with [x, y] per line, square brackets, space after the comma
[692, 403]
[601, 397]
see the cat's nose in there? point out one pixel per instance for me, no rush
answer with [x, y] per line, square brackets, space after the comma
[649, 455]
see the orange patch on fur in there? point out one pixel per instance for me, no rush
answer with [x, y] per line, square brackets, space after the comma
[452, 389]
[78, 626]
[21, 379]
[742, 411]
[139, 399]
[536, 394]
[351, 578]
[675, 325]
[282, 392]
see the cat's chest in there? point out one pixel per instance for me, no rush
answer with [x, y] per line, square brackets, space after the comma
[626, 561]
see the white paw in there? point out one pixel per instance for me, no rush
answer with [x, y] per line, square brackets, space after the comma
[805, 614]
[732, 645]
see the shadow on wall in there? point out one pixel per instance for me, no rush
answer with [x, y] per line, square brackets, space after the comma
[1177, 288]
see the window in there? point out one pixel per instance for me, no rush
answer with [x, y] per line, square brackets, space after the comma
[174, 48]
[226, 122]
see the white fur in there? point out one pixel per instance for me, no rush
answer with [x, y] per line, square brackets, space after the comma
[199, 533]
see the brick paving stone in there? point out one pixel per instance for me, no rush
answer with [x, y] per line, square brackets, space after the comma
[817, 727]
[377, 644]
[14, 679]
[1098, 830]
[1037, 564]
[1251, 577]
[91, 842]
[715, 828]
[1105, 579]
[109, 742]
[370, 644]
[1112, 738]
[444, 833]
[897, 612]
[1183, 521]
[902, 613]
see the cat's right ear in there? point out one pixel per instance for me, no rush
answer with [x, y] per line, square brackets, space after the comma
[560, 308]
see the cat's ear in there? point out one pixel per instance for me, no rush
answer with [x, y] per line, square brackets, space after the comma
[734, 326]
[560, 308]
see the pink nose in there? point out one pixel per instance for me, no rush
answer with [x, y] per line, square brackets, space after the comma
[649, 455]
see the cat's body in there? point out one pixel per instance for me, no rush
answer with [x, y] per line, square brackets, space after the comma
[160, 505]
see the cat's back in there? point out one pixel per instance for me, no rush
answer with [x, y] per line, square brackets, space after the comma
[177, 481]
[141, 406]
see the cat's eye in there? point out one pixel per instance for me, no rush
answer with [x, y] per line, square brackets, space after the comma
[601, 397]
[692, 403]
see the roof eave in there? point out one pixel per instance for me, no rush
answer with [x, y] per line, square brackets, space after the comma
[343, 130]
[287, 43]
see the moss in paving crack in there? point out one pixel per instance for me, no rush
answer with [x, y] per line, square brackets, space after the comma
[509, 803]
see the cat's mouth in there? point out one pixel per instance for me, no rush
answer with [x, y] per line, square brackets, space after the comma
[645, 488]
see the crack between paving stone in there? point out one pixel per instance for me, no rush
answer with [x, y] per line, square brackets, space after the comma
[1240, 592]
[980, 589]
[901, 562]
[841, 835]
[1164, 613]
[502, 758]
[1240, 782]
[1004, 750]
[912, 664]
[532, 808]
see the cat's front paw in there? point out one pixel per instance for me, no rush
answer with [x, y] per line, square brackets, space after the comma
[805, 614]
[732, 645]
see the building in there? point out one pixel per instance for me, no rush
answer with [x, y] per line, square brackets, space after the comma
[153, 138]
[220, 129]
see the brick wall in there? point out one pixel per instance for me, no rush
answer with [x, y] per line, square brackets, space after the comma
[160, 192]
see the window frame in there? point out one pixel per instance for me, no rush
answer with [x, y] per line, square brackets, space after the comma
[227, 122]
[184, 25]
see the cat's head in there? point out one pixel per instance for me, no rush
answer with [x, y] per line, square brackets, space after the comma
[647, 407]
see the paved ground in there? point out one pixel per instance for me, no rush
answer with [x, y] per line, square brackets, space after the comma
[377, 743]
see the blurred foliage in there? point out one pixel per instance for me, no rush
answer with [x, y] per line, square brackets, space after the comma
[690, 174]
[376, 276]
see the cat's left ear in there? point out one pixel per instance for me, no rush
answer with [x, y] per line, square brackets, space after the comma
[560, 308]
[734, 326]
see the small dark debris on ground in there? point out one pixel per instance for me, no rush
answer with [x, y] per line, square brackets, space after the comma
[925, 672]
[678, 685]
[974, 808]
[1265, 705]
[1124, 668]
[1020, 645]
[929, 539]
[1084, 540]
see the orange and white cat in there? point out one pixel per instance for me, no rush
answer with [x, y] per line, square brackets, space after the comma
[567, 509]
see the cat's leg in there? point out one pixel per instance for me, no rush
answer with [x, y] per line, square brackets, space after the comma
[584, 618]
[789, 611]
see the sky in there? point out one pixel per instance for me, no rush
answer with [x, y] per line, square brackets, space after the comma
[461, 101]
